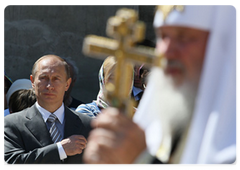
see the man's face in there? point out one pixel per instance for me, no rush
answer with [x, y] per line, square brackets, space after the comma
[50, 82]
[184, 49]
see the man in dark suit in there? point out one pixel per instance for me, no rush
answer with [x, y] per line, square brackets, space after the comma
[48, 132]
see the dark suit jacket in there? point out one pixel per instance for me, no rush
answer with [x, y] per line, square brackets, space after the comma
[27, 140]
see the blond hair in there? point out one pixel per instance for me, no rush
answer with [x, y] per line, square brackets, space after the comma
[108, 67]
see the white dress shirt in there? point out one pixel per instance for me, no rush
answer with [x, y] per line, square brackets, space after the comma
[60, 115]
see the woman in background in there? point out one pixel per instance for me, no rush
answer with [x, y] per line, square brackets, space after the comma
[106, 75]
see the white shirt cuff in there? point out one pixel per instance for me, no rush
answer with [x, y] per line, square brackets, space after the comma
[62, 153]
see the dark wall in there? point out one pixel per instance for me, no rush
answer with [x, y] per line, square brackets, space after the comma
[33, 31]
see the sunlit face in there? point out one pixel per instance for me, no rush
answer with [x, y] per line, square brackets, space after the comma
[184, 49]
[50, 82]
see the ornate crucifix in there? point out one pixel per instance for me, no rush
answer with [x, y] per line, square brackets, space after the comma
[126, 30]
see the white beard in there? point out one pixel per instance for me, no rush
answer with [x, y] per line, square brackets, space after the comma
[164, 109]
[175, 104]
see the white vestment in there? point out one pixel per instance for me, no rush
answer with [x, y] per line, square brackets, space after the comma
[212, 132]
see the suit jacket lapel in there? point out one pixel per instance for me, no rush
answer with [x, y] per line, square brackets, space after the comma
[37, 126]
[72, 123]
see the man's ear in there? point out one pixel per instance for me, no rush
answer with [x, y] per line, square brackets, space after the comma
[68, 83]
[32, 80]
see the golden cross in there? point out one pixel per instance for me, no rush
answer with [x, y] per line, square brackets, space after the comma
[126, 30]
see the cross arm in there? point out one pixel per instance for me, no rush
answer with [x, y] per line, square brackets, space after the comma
[99, 46]
[146, 55]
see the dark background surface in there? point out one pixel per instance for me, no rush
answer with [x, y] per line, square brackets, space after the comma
[33, 31]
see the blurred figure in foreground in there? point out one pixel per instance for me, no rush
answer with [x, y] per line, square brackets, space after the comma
[188, 110]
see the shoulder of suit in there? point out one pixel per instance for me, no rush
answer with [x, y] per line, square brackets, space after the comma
[16, 117]
[80, 115]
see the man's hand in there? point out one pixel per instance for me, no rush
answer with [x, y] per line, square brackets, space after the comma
[74, 144]
[116, 139]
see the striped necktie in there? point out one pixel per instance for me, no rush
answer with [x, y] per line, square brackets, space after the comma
[54, 132]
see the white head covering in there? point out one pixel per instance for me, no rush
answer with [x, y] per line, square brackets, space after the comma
[212, 136]
[212, 133]
[191, 16]
[18, 85]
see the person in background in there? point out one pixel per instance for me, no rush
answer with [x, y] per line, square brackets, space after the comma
[140, 74]
[16, 85]
[47, 132]
[140, 82]
[21, 99]
[106, 75]
[69, 100]
[7, 85]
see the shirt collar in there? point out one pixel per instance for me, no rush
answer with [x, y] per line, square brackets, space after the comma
[45, 114]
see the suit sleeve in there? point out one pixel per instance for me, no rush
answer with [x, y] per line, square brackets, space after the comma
[14, 151]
